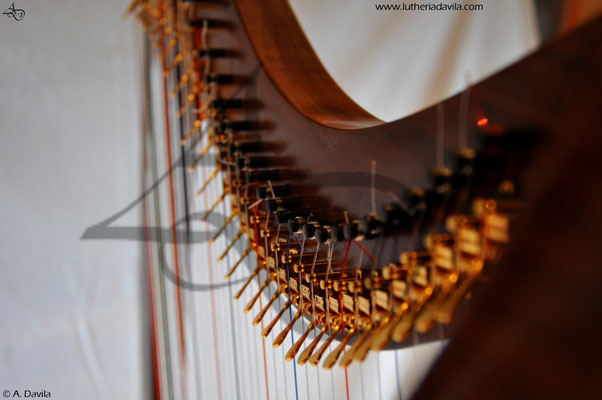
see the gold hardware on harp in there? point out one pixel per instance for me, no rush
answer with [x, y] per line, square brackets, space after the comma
[384, 303]
[315, 357]
[404, 326]
[254, 299]
[207, 182]
[221, 229]
[248, 281]
[225, 253]
[219, 200]
[183, 81]
[364, 348]
[196, 125]
[332, 358]
[265, 309]
[242, 257]
[445, 312]
[383, 338]
[292, 352]
[189, 100]
[177, 59]
[349, 355]
[280, 338]
[266, 331]
[307, 353]
[199, 158]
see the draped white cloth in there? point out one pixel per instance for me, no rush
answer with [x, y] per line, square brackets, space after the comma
[71, 310]
[394, 63]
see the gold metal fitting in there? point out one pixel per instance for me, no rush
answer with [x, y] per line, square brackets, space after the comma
[220, 230]
[219, 200]
[271, 325]
[225, 253]
[254, 299]
[242, 257]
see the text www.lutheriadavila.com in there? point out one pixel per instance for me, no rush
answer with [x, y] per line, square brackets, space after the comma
[429, 7]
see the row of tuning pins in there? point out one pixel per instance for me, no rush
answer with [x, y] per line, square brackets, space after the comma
[286, 209]
[182, 37]
[471, 168]
[426, 285]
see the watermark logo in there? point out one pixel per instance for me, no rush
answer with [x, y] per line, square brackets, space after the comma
[26, 394]
[17, 13]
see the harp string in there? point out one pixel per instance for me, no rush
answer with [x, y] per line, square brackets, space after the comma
[172, 202]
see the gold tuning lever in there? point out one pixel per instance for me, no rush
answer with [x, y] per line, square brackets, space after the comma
[268, 329]
[199, 158]
[189, 99]
[207, 182]
[444, 314]
[280, 338]
[183, 81]
[220, 230]
[219, 200]
[334, 356]
[242, 289]
[170, 45]
[177, 59]
[252, 302]
[225, 253]
[383, 338]
[348, 356]
[362, 351]
[425, 319]
[229, 274]
[197, 124]
[292, 352]
[265, 309]
[306, 354]
[404, 326]
[315, 358]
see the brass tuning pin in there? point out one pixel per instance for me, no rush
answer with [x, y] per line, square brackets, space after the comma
[219, 200]
[246, 284]
[254, 299]
[307, 353]
[334, 356]
[265, 309]
[271, 325]
[315, 358]
[196, 125]
[225, 253]
[280, 338]
[221, 229]
[242, 257]
[207, 182]
[292, 352]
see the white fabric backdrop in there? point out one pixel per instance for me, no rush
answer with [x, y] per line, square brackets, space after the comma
[71, 310]
[394, 63]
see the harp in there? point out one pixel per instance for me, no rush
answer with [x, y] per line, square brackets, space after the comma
[305, 236]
